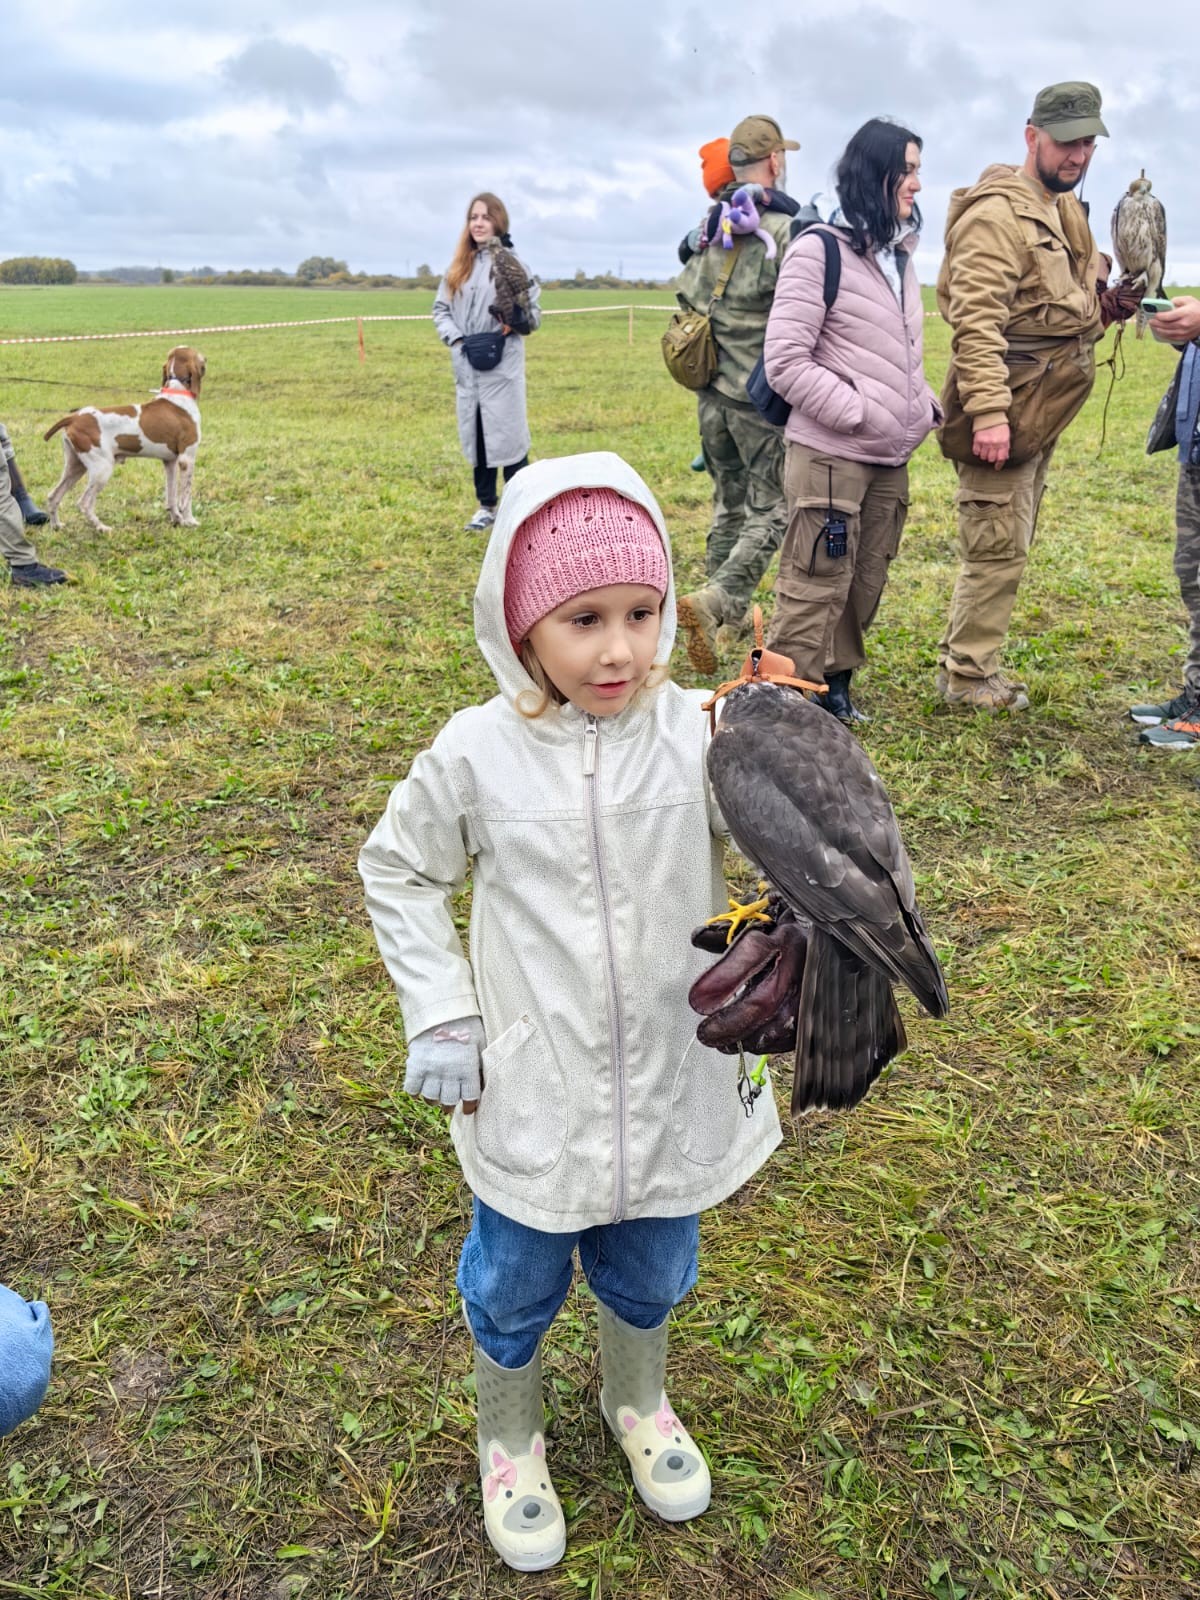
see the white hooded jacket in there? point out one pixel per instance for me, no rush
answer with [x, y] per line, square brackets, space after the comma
[594, 847]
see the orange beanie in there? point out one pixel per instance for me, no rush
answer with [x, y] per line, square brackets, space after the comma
[715, 171]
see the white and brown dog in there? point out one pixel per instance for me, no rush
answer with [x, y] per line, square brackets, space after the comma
[167, 429]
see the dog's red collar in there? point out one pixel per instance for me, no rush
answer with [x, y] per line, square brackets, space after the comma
[170, 392]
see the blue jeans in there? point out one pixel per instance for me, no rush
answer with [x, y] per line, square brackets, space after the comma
[514, 1279]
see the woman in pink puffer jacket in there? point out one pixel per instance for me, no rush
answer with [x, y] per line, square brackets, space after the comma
[860, 406]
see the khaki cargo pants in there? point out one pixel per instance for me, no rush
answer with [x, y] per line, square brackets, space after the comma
[997, 519]
[744, 455]
[825, 604]
[14, 546]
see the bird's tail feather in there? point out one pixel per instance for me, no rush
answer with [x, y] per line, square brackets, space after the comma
[905, 951]
[849, 1028]
[924, 976]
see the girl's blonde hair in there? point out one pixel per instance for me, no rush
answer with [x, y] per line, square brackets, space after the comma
[534, 703]
[460, 266]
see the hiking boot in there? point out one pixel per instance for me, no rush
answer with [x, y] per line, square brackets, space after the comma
[1151, 715]
[993, 693]
[482, 519]
[732, 634]
[1181, 732]
[700, 619]
[34, 575]
[837, 699]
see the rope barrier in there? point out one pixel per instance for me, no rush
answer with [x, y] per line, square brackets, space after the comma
[306, 322]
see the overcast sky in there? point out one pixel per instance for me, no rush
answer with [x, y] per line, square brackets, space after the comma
[256, 132]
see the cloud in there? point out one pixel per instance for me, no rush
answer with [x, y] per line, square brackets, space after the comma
[291, 74]
[292, 129]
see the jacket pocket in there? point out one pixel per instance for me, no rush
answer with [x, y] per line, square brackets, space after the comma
[705, 1109]
[521, 1122]
[1052, 262]
[840, 408]
[1048, 391]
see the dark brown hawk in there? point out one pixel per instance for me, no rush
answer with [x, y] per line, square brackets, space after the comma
[806, 806]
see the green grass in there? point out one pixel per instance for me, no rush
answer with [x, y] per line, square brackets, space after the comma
[944, 1347]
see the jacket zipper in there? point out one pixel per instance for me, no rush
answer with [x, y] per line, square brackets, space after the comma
[908, 356]
[907, 340]
[616, 1026]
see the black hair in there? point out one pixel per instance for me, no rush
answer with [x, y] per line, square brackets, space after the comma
[868, 172]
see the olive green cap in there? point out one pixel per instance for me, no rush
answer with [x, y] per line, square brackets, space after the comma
[756, 138]
[1068, 111]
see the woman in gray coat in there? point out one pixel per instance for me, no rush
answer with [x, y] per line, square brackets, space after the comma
[487, 297]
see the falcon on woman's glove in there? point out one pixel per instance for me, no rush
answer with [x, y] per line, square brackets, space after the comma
[511, 283]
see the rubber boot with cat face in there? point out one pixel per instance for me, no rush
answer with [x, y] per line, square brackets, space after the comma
[669, 1473]
[521, 1512]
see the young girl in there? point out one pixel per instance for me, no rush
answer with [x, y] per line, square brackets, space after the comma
[860, 407]
[588, 1117]
[492, 425]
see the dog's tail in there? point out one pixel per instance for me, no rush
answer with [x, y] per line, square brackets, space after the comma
[61, 423]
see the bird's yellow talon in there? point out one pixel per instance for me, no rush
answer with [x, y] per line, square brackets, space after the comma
[741, 911]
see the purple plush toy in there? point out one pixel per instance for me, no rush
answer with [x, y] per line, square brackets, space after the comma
[740, 216]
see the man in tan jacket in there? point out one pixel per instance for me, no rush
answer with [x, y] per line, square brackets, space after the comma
[1019, 287]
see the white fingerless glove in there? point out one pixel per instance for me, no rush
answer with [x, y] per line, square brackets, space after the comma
[443, 1062]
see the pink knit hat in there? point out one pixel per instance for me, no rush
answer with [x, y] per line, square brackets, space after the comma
[583, 539]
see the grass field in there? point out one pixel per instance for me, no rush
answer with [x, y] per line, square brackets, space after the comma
[943, 1347]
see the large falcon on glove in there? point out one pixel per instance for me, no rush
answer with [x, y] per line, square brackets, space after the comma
[806, 806]
[1139, 240]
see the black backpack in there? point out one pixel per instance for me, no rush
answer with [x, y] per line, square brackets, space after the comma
[773, 407]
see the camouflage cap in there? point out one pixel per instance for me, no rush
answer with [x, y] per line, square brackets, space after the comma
[1068, 111]
[756, 138]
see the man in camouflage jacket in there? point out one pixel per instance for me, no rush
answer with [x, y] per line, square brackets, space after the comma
[743, 452]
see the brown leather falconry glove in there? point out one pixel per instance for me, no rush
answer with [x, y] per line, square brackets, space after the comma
[1119, 303]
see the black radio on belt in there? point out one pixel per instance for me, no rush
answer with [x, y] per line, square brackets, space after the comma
[834, 529]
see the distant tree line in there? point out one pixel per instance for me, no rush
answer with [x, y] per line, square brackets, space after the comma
[602, 280]
[316, 272]
[37, 269]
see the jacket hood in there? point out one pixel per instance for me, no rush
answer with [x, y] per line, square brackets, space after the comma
[526, 493]
[1001, 179]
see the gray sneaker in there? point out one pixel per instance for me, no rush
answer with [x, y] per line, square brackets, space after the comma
[1150, 716]
[1181, 732]
[482, 519]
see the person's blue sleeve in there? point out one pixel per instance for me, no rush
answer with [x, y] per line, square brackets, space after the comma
[26, 1346]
